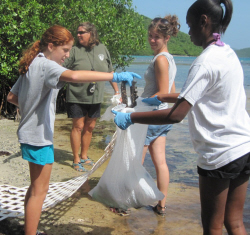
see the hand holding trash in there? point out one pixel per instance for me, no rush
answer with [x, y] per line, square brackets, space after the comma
[122, 120]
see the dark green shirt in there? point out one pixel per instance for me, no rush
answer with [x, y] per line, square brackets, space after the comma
[80, 59]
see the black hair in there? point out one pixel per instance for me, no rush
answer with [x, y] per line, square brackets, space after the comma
[168, 25]
[220, 17]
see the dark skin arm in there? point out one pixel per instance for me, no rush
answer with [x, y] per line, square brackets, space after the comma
[169, 98]
[166, 116]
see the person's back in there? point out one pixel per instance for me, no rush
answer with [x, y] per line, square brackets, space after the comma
[37, 92]
[218, 120]
[214, 99]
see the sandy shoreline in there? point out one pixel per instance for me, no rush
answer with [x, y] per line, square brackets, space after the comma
[80, 214]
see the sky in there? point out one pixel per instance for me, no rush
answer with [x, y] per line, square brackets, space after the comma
[237, 34]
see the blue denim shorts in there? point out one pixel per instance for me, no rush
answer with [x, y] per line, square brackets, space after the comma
[40, 155]
[230, 171]
[155, 131]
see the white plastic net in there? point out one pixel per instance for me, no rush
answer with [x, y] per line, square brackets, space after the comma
[125, 182]
[12, 198]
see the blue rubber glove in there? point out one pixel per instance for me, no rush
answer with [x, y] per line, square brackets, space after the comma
[122, 120]
[152, 101]
[125, 76]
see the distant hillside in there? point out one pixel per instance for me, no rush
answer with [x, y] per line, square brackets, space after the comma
[243, 52]
[180, 45]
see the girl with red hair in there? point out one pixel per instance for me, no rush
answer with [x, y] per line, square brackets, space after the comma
[35, 92]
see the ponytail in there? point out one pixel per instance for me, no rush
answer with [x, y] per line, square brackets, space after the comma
[227, 15]
[220, 19]
[57, 35]
[28, 57]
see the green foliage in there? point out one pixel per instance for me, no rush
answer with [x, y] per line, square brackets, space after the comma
[119, 27]
[243, 52]
[182, 45]
[23, 21]
[179, 45]
[19, 25]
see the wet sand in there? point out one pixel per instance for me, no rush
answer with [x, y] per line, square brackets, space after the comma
[80, 214]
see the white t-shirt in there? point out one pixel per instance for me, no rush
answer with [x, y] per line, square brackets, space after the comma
[37, 92]
[151, 86]
[219, 124]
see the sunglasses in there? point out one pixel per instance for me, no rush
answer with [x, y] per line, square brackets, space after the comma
[162, 20]
[81, 32]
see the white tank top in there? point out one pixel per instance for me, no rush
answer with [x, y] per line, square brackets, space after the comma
[151, 83]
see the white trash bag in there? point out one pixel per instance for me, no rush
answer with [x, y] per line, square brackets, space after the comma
[115, 102]
[125, 183]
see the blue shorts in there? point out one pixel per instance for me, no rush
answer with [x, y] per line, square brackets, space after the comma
[230, 171]
[40, 155]
[154, 131]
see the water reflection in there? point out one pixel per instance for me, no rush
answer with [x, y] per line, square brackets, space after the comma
[180, 156]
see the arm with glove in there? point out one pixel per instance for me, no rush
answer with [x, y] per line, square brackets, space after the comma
[165, 116]
[81, 76]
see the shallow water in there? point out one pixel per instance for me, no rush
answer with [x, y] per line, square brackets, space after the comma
[181, 160]
[180, 156]
[81, 215]
[183, 205]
